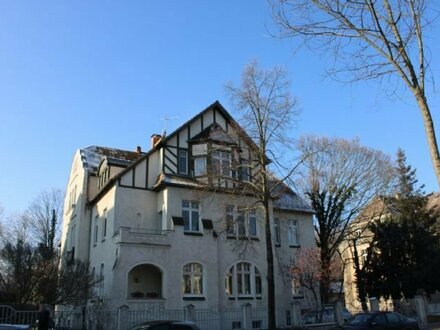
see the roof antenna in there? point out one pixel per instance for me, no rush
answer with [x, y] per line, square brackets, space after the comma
[165, 119]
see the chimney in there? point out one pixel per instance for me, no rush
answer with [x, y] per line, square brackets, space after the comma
[155, 138]
[139, 149]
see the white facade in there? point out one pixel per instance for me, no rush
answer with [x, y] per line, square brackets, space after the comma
[164, 231]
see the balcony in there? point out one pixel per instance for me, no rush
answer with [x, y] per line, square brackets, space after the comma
[143, 236]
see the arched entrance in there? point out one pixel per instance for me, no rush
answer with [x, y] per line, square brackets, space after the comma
[145, 282]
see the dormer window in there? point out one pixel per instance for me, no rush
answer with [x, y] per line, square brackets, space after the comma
[104, 175]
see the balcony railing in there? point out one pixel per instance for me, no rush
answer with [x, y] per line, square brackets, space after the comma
[145, 236]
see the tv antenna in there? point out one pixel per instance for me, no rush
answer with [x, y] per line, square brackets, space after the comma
[165, 119]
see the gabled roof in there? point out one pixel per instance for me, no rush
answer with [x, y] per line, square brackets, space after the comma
[93, 155]
[284, 198]
[218, 107]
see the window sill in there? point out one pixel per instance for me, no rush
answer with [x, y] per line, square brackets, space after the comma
[244, 298]
[294, 246]
[193, 233]
[193, 298]
[242, 237]
[145, 299]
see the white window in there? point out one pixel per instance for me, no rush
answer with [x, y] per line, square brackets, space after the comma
[364, 256]
[104, 225]
[276, 230]
[95, 236]
[241, 222]
[243, 280]
[190, 214]
[199, 166]
[183, 162]
[292, 232]
[245, 171]
[72, 235]
[221, 163]
[193, 279]
[296, 287]
[230, 220]
[94, 280]
[252, 219]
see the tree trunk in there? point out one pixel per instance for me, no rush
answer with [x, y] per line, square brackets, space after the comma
[429, 130]
[324, 286]
[270, 269]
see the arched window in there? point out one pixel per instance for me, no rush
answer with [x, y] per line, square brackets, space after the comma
[243, 280]
[192, 279]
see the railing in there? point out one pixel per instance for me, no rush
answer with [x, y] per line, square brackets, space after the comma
[145, 236]
[9, 315]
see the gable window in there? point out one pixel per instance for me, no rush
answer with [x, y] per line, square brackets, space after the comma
[243, 280]
[183, 162]
[193, 279]
[221, 163]
[292, 232]
[199, 166]
[276, 230]
[190, 214]
[241, 222]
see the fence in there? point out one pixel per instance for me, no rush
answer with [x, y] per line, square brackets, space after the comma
[245, 317]
[89, 318]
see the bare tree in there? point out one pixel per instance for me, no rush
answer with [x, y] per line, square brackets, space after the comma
[340, 178]
[1, 222]
[267, 109]
[369, 39]
[44, 214]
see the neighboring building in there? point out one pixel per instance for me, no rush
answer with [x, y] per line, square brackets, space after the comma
[175, 226]
[360, 238]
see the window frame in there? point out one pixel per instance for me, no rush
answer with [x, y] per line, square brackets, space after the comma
[199, 163]
[192, 273]
[243, 280]
[191, 209]
[245, 171]
[276, 231]
[182, 161]
[96, 232]
[240, 220]
[219, 155]
[104, 226]
[293, 232]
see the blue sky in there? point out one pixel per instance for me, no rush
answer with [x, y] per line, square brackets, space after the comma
[80, 73]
